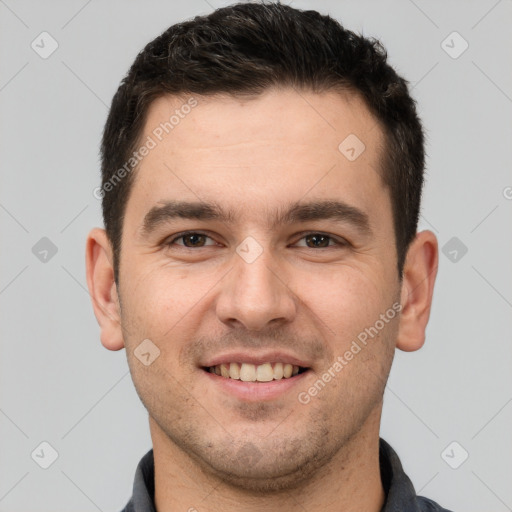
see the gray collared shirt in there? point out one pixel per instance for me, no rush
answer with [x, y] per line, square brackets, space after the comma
[400, 493]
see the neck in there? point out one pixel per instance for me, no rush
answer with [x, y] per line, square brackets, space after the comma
[349, 482]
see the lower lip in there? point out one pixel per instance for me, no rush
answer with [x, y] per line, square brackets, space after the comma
[256, 391]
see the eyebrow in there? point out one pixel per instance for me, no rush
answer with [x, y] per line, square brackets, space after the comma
[297, 212]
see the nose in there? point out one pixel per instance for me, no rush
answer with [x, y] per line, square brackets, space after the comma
[255, 294]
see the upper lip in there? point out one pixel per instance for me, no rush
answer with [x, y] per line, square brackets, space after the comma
[256, 358]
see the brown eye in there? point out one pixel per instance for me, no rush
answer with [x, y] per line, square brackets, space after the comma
[195, 240]
[318, 240]
[190, 240]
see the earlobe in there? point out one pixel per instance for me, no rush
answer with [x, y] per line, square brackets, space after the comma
[103, 289]
[419, 276]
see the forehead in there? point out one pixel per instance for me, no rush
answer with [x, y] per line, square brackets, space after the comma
[281, 116]
[276, 147]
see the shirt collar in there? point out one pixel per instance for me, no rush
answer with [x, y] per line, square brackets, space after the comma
[143, 496]
[400, 493]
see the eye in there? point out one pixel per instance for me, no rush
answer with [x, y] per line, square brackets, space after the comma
[314, 240]
[321, 241]
[190, 240]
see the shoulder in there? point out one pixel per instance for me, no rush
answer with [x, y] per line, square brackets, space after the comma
[129, 507]
[427, 505]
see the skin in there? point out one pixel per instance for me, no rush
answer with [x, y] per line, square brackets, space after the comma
[214, 451]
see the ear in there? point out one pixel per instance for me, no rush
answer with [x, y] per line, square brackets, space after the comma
[103, 289]
[420, 270]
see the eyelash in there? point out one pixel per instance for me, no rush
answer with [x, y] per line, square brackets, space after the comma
[340, 243]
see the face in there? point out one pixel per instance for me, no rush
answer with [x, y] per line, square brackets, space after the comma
[253, 279]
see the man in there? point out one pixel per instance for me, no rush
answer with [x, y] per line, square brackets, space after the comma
[262, 170]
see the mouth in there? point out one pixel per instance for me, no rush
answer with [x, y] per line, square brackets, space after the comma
[248, 372]
[253, 377]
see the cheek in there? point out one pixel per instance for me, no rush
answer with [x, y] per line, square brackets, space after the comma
[346, 299]
[158, 299]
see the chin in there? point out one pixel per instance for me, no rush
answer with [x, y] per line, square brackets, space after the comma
[267, 467]
[265, 477]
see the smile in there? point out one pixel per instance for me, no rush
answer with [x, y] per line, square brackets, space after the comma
[248, 372]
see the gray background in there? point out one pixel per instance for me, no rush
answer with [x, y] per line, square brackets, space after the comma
[59, 385]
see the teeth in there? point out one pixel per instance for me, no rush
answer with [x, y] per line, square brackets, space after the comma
[255, 373]
[278, 371]
[224, 371]
[264, 373]
[234, 371]
[247, 372]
